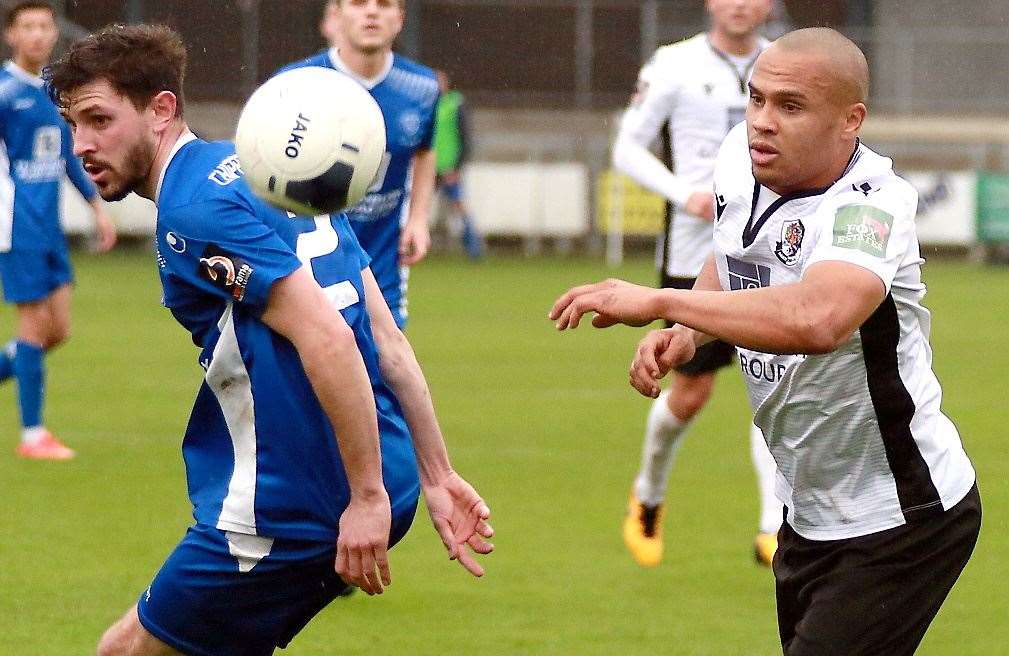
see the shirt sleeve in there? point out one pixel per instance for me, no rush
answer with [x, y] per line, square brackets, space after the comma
[363, 257]
[650, 108]
[75, 170]
[875, 232]
[224, 250]
[427, 139]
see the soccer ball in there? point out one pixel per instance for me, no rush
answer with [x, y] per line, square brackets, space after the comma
[310, 141]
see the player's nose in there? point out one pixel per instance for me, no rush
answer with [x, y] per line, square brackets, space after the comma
[82, 143]
[761, 119]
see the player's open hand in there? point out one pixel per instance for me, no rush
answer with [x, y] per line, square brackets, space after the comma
[658, 352]
[363, 546]
[460, 517]
[414, 242]
[613, 301]
[701, 204]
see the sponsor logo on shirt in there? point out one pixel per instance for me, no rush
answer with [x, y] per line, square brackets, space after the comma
[175, 242]
[376, 206]
[720, 205]
[23, 103]
[863, 228]
[225, 271]
[743, 275]
[227, 171]
[787, 249]
[30, 170]
[754, 367]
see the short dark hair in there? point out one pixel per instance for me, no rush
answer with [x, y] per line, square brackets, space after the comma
[14, 10]
[139, 61]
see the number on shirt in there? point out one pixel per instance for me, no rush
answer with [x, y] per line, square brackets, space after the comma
[322, 242]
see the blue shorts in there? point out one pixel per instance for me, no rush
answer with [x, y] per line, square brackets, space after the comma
[218, 595]
[30, 276]
[451, 191]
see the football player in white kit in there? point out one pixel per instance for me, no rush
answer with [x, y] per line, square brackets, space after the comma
[690, 95]
[816, 277]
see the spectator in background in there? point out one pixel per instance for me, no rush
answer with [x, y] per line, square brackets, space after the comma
[451, 147]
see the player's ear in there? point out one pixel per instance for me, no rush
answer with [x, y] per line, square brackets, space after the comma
[164, 106]
[853, 119]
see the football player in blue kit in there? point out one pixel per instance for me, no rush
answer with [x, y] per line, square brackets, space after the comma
[313, 431]
[392, 220]
[34, 263]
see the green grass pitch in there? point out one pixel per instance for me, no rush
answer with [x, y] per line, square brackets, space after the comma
[542, 423]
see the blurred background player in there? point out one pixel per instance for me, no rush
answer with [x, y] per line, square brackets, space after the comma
[34, 261]
[392, 220]
[690, 93]
[329, 25]
[451, 147]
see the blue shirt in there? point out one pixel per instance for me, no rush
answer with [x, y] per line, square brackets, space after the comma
[407, 94]
[261, 454]
[36, 151]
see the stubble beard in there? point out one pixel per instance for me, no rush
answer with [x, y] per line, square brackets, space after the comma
[134, 171]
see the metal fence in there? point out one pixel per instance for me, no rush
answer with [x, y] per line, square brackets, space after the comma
[572, 53]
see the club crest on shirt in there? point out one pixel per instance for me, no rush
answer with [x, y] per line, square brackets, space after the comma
[225, 271]
[787, 249]
[409, 123]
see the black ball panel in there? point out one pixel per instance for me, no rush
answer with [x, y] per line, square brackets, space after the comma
[326, 192]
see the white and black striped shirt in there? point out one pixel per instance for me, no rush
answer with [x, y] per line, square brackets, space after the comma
[858, 436]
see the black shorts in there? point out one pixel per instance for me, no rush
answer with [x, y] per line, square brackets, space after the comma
[875, 594]
[710, 357]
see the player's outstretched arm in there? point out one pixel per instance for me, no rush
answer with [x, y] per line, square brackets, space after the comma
[298, 310]
[813, 316]
[457, 511]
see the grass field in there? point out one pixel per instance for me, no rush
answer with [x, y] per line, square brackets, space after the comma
[544, 425]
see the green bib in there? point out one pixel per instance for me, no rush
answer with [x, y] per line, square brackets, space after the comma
[447, 140]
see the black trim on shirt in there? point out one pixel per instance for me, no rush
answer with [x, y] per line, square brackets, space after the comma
[743, 75]
[667, 238]
[895, 409]
[752, 229]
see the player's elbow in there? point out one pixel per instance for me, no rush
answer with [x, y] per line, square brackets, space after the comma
[395, 354]
[326, 343]
[822, 332]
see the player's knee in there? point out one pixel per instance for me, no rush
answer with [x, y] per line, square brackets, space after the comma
[122, 638]
[58, 334]
[113, 643]
[688, 400]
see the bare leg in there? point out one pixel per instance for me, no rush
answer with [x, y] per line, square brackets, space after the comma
[128, 637]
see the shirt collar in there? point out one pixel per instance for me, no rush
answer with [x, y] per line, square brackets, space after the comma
[184, 138]
[22, 74]
[368, 83]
